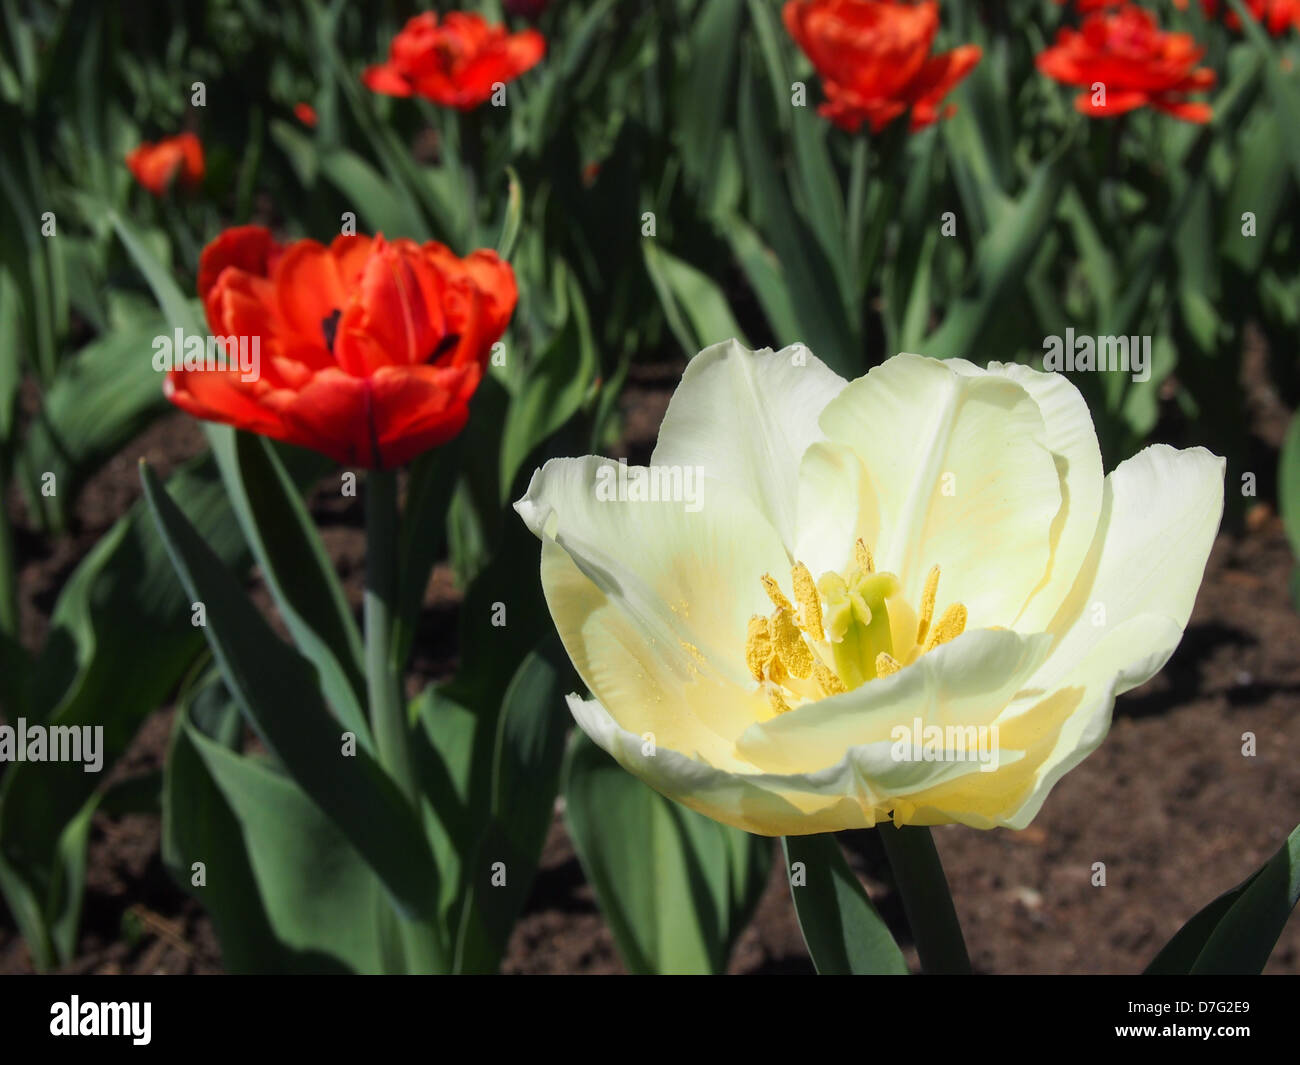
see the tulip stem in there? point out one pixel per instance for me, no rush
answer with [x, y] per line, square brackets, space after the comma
[918, 874]
[11, 657]
[857, 196]
[383, 683]
[422, 949]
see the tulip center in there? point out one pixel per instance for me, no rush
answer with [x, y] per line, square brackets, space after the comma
[842, 631]
[329, 326]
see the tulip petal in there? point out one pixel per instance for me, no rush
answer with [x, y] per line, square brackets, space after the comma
[765, 805]
[963, 479]
[747, 417]
[1159, 517]
[658, 630]
[837, 506]
[1072, 441]
[965, 682]
[1160, 512]
[387, 79]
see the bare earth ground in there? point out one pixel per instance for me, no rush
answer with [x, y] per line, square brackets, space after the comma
[1169, 803]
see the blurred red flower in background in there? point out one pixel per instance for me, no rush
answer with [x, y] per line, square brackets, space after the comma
[874, 59]
[1276, 15]
[456, 62]
[306, 114]
[1134, 63]
[156, 165]
[369, 349]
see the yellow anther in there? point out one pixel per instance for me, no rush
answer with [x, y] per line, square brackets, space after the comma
[886, 665]
[927, 604]
[758, 645]
[862, 553]
[792, 652]
[810, 606]
[830, 683]
[774, 593]
[949, 627]
[778, 704]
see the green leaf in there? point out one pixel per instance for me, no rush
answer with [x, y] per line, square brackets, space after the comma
[1281, 86]
[382, 206]
[844, 933]
[554, 389]
[528, 754]
[112, 376]
[707, 88]
[431, 481]
[1288, 484]
[199, 827]
[11, 361]
[1236, 932]
[297, 570]
[311, 880]
[63, 906]
[694, 305]
[1003, 254]
[666, 877]
[277, 690]
[767, 278]
[180, 313]
[825, 321]
[1262, 185]
[120, 639]
[514, 212]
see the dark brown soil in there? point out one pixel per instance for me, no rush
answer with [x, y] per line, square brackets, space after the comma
[1169, 803]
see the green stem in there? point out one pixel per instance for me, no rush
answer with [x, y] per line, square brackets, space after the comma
[927, 901]
[383, 684]
[14, 668]
[420, 941]
[8, 580]
[857, 202]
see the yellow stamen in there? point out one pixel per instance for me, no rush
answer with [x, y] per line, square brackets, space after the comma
[886, 665]
[810, 606]
[778, 704]
[830, 683]
[792, 652]
[774, 593]
[758, 645]
[862, 553]
[949, 627]
[927, 604]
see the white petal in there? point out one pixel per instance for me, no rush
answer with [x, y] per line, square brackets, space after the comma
[1073, 442]
[962, 477]
[837, 506]
[763, 803]
[966, 682]
[1160, 512]
[746, 418]
[653, 600]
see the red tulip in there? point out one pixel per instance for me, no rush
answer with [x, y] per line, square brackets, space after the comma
[369, 349]
[456, 62]
[1133, 61]
[874, 59]
[155, 166]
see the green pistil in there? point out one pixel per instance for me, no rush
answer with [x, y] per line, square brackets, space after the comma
[857, 622]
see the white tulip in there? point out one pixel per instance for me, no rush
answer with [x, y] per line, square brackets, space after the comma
[930, 551]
